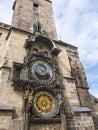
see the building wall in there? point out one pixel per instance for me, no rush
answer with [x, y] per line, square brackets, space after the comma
[80, 121]
[55, 126]
[5, 120]
[24, 16]
[15, 52]
[70, 91]
[3, 34]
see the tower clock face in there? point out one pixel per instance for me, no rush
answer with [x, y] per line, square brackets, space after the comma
[44, 103]
[42, 71]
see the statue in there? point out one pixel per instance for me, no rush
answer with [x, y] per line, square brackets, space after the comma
[37, 27]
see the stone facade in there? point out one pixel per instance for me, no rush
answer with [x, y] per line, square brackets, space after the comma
[80, 121]
[24, 16]
[43, 85]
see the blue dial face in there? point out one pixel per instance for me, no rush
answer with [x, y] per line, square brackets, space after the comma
[42, 70]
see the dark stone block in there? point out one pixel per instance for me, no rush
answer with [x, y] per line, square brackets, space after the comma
[71, 128]
[86, 128]
[78, 128]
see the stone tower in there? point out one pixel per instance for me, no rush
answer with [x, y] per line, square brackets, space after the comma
[26, 13]
[43, 85]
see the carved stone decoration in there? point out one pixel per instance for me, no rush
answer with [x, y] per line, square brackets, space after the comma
[20, 85]
[37, 27]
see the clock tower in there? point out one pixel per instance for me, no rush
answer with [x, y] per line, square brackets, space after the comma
[43, 85]
[26, 12]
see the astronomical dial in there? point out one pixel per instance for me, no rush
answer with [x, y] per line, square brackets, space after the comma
[44, 104]
[42, 71]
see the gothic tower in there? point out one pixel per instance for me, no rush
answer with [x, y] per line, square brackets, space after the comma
[43, 85]
[26, 12]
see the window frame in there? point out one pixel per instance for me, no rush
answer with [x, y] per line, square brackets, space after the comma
[17, 67]
[17, 73]
[36, 8]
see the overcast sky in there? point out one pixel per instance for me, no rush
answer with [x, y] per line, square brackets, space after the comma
[77, 24]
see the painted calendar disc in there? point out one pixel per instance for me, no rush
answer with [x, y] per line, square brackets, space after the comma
[44, 103]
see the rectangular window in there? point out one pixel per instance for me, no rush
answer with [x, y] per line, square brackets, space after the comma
[17, 67]
[17, 73]
[35, 8]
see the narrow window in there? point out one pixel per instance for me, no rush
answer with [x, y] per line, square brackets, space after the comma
[45, 54]
[35, 51]
[17, 73]
[35, 8]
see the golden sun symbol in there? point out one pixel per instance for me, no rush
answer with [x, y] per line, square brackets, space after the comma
[44, 102]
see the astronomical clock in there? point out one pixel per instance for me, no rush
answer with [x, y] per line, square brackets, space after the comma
[44, 103]
[41, 79]
[42, 71]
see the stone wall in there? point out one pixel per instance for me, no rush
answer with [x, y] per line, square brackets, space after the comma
[95, 119]
[5, 120]
[24, 17]
[70, 92]
[17, 124]
[54, 126]
[3, 35]
[80, 121]
[14, 51]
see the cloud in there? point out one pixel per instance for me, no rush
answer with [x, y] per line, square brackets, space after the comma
[77, 23]
[94, 89]
[6, 11]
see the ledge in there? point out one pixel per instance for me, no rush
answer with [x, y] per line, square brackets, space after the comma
[5, 67]
[5, 26]
[49, 1]
[17, 65]
[59, 42]
[71, 78]
[45, 120]
[81, 109]
[6, 108]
